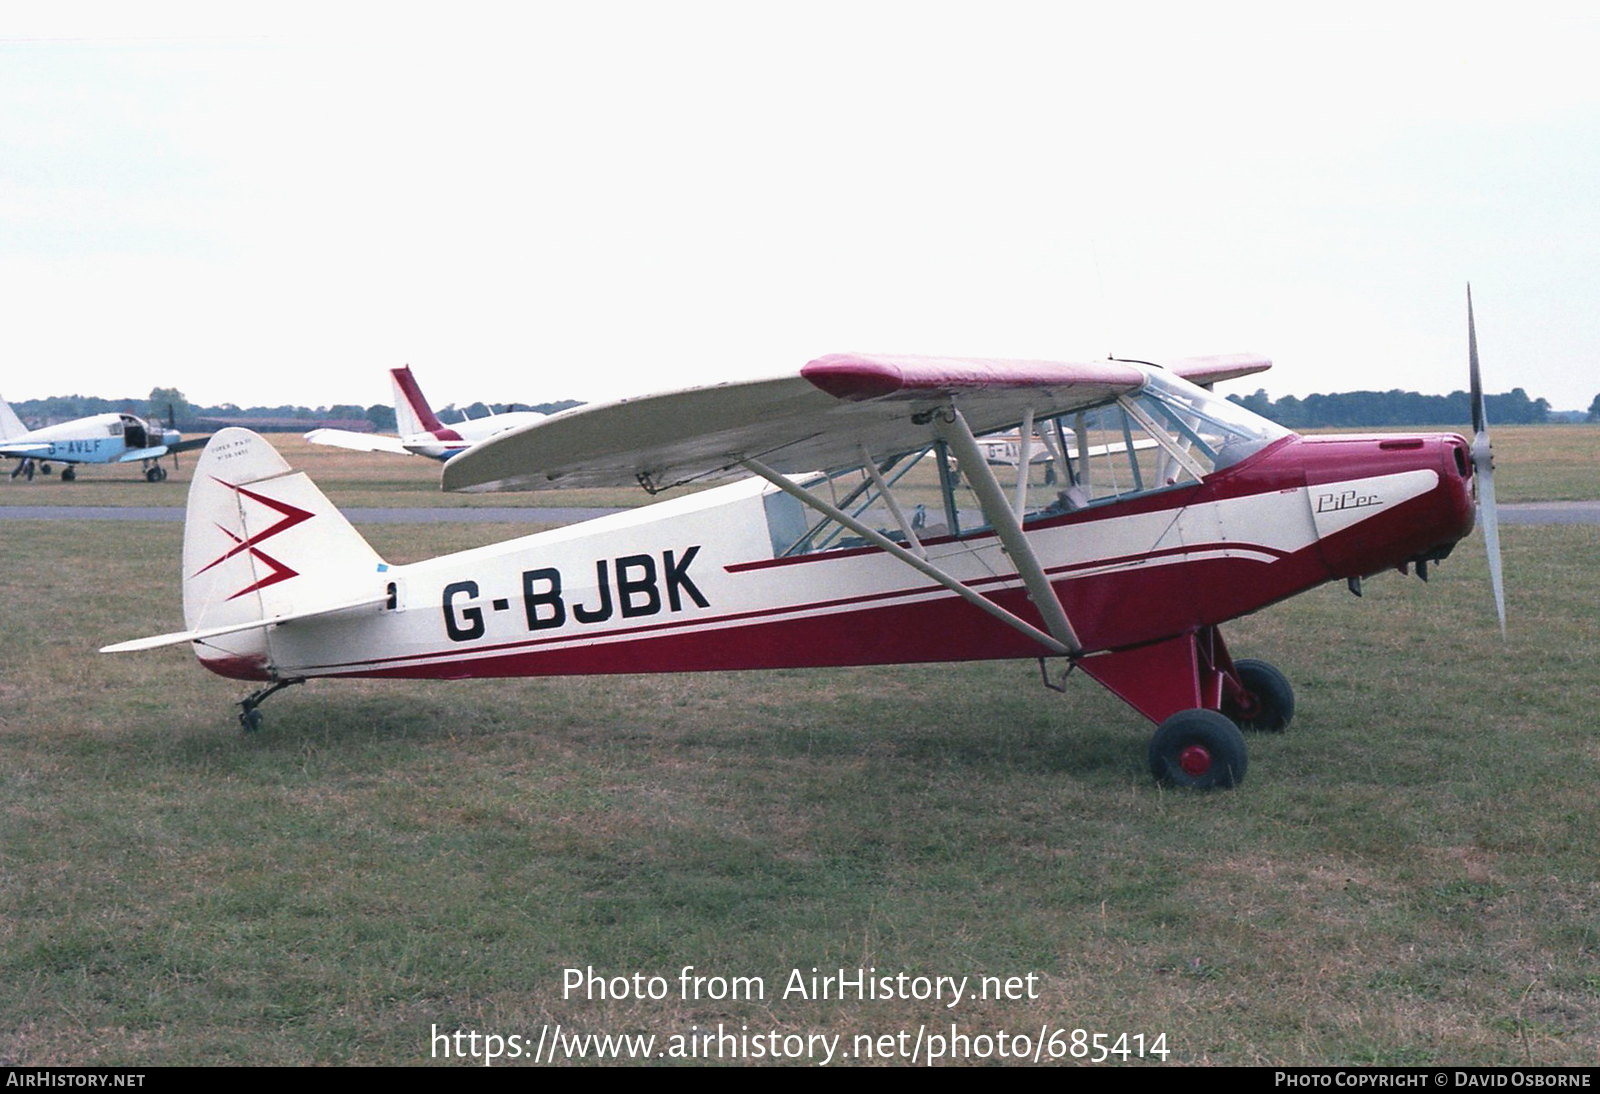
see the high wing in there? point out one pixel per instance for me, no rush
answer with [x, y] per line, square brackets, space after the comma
[822, 418]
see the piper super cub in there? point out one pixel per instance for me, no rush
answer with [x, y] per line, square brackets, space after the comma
[869, 530]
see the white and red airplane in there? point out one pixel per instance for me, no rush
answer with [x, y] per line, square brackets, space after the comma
[1174, 511]
[421, 431]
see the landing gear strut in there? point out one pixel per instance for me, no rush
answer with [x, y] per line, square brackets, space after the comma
[249, 712]
[1200, 698]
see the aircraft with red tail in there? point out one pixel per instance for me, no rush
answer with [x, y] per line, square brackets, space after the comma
[421, 433]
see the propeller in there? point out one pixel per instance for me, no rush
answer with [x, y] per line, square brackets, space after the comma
[172, 425]
[1483, 472]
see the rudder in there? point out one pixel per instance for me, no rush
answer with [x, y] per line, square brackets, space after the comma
[261, 540]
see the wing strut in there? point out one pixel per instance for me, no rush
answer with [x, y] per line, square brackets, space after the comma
[921, 565]
[894, 506]
[955, 432]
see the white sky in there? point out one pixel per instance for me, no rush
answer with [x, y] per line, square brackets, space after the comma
[538, 201]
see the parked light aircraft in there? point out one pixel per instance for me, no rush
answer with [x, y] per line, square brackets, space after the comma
[1125, 569]
[421, 431]
[99, 438]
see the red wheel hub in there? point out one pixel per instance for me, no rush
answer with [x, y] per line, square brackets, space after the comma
[1195, 760]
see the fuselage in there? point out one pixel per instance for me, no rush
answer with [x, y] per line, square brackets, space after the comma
[100, 438]
[447, 441]
[703, 582]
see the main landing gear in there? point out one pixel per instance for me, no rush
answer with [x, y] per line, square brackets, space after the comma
[1203, 749]
[1199, 750]
[249, 706]
[1202, 701]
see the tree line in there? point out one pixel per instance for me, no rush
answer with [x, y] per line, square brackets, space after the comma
[169, 405]
[1337, 409]
[1397, 408]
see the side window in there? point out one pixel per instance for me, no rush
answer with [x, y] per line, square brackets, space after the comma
[1167, 434]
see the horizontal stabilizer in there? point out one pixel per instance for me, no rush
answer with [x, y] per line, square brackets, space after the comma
[358, 442]
[178, 637]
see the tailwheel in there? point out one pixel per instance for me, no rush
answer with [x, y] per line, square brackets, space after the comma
[249, 706]
[1266, 703]
[1198, 750]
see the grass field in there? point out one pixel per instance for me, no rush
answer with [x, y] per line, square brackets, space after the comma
[1407, 877]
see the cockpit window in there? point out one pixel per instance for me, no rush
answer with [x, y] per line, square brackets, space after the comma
[1169, 433]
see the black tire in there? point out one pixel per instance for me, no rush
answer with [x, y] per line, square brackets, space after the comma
[250, 720]
[1272, 699]
[68, 474]
[1198, 750]
[152, 475]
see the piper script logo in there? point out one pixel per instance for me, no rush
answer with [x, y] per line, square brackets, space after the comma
[276, 571]
[1349, 499]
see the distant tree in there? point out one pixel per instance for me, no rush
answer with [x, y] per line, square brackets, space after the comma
[552, 408]
[1594, 409]
[1288, 411]
[169, 404]
[381, 417]
[1259, 403]
[1515, 408]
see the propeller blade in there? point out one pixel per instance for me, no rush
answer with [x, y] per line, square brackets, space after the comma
[1483, 472]
[1479, 423]
[1490, 519]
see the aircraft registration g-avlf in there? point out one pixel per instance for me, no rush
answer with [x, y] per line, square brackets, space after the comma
[869, 529]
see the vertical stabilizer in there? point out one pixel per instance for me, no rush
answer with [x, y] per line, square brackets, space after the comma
[11, 426]
[412, 414]
[260, 540]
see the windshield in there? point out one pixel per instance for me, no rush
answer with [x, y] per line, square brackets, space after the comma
[1226, 430]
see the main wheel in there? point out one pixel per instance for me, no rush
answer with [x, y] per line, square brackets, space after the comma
[152, 474]
[1198, 750]
[1269, 705]
[68, 474]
